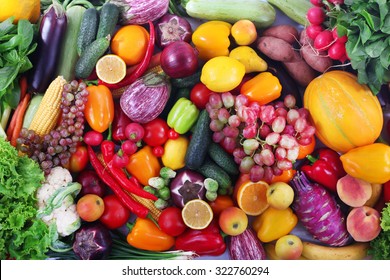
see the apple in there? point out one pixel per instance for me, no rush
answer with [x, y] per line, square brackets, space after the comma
[289, 247]
[90, 207]
[280, 195]
[363, 223]
[233, 221]
[91, 183]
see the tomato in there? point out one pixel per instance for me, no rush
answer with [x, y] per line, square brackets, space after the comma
[115, 214]
[220, 203]
[156, 132]
[199, 95]
[90, 207]
[386, 191]
[158, 151]
[171, 221]
[79, 159]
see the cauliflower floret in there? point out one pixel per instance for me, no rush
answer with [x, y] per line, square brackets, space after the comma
[67, 220]
[59, 177]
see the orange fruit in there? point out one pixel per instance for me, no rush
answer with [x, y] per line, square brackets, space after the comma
[111, 69]
[130, 43]
[197, 214]
[251, 197]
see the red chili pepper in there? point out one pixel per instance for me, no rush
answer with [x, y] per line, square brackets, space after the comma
[108, 150]
[135, 207]
[208, 241]
[121, 120]
[325, 168]
[141, 68]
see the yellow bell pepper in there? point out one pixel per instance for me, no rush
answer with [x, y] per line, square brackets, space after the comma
[274, 223]
[370, 163]
[211, 39]
[175, 152]
[263, 88]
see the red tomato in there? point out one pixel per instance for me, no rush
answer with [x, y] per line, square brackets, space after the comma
[115, 214]
[386, 191]
[171, 221]
[158, 151]
[199, 95]
[156, 132]
[79, 159]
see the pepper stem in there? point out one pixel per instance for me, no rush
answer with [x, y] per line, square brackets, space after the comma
[130, 226]
[109, 136]
[311, 158]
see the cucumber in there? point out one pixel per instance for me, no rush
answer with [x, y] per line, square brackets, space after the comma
[69, 55]
[88, 29]
[223, 159]
[87, 61]
[109, 15]
[200, 140]
[187, 82]
[210, 169]
[31, 110]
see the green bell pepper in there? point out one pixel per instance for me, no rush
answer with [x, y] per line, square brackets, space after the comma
[183, 115]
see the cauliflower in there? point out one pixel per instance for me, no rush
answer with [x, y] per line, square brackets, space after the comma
[56, 201]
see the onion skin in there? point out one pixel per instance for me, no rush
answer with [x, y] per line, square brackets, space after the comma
[146, 98]
[246, 246]
[171, 28]
[179, 59]
[179, 181]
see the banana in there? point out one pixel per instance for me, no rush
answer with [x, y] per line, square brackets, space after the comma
[376, 194]
[270, 252]
[355, 251]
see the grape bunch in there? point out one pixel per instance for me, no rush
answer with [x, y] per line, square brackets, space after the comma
[55, 148]
[325, 38]
[264, 139]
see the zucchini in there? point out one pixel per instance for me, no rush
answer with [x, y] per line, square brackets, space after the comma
[69, 55]
[223, 158]
[294, 9]
[31, 110]
[200, 140]
[87, 61]
[210, 169]
[88, 29]
[109, 15]
[260, 12]
[187, 82]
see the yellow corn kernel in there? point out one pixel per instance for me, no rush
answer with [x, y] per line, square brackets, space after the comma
[46, 117]
[148, 203]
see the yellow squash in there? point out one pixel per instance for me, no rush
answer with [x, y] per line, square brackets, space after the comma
[345, 113]
[20, 9]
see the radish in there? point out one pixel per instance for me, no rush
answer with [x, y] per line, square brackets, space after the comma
[316, 15]
[336, 51]
[317, 3]
[342, 39]
[319, 212]
[323, 40]
[313, 30]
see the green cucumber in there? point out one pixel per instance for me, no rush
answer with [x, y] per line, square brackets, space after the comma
[87, 61]
[88, 29]
[109, 15]
[223, 158]
[32, 109]
[210, 169]
[200, 140]
[187, 82]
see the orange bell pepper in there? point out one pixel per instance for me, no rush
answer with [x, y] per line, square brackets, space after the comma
[99, 109]
[262, 88]
[144, 234]
[144, 165]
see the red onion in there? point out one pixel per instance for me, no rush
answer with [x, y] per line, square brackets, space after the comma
[179, 59]
[172, 28]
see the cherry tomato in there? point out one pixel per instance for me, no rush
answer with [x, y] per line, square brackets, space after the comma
[220, 203]
[158, 151]
[199, 95]
[115, 214]
[79, 159]
[386, 191]
[172, 134]
[171, 221]
[156, 132]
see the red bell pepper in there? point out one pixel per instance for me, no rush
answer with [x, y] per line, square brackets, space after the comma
[208, 241]
[386, 191]
[324, 168]
[121, 120]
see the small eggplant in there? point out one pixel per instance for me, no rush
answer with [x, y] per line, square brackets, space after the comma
[172, 28]
[51, 34]
[246, 246]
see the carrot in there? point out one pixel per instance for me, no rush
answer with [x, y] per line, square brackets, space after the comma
[11, 125]
[19, 119]
[23, 86]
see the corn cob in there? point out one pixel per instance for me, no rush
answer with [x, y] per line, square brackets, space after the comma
[46, 117]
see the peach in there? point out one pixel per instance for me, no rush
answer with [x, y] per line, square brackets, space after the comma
[233, 221]
[289, 247]
[244, 32]
[363, 223]
[280, 195]
[353, 191]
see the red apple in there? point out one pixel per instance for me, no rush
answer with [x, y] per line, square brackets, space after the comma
[289, 247]
[233, 221]
[363, 223]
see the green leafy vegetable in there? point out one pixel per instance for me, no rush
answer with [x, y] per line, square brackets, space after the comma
[380, 246]
[22, 234]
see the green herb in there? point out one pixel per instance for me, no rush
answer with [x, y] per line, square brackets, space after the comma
[367, 25]
[380, 246]
[22, 234]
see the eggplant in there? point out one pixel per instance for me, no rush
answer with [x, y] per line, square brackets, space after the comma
[246, 246]
[50, 38]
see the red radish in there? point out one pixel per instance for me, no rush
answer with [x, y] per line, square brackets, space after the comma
[317, 3]
[134, 131]
[342, 39]
[323, 40]
[336, 51]
[129, 147]
[336, 2]
[319, 212]
[316, 15]
[313, 30]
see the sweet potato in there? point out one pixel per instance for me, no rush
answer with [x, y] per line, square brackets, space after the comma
[276, 49]
[319, 61]
[285, 32]
[304, 39]
[300, 71]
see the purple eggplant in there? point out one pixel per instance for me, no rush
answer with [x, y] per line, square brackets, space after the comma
[246, 246]
[51, 34]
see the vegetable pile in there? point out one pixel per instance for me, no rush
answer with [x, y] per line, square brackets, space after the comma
[187, 129]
